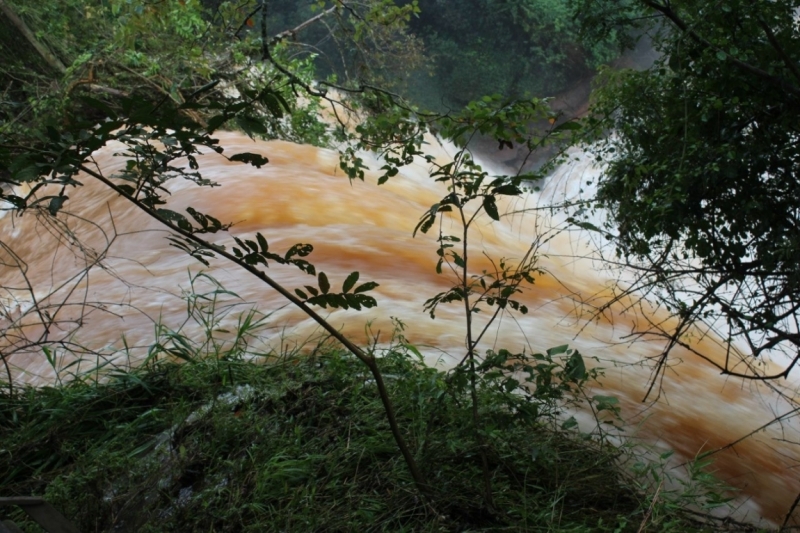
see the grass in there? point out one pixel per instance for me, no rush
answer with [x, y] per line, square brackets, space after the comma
[224, 443]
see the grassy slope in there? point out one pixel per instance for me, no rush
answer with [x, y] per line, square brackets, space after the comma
[300, 444]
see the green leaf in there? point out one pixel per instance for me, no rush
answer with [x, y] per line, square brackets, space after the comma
[491, 207]
[56, 203]
[25, 168]
[324, 284]
[606, 403]
[558, 350]
[350, 282]
[427, 220]
[273, 104]
[569, 423]
[584, 224]
[575, 367]
[365, 287]
[568, 126]
[49, 355]
[413, 349]
[391, 171]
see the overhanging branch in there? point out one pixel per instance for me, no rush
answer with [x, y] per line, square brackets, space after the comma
[41, 49]
[667, 11]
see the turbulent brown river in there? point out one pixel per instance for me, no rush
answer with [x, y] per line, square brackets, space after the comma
[136, 278]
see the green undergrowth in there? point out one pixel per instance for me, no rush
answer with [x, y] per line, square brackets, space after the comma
[209, 434]
[301, 444]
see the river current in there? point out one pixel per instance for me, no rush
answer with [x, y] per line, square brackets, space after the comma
[106, 270]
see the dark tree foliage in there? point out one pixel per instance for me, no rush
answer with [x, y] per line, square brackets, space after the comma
[702, 180]
[511, 47]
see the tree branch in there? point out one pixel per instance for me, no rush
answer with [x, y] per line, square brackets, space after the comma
[294, 31]
[781, 52]
[43, 51]
[677, 21]
[365, 358]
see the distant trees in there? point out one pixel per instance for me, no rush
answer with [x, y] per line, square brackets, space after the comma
[511, 47]
[703, 178]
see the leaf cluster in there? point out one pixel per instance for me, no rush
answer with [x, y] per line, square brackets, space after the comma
[701, 181]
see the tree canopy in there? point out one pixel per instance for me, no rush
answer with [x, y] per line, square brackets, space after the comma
[702, 168]
[509, 47]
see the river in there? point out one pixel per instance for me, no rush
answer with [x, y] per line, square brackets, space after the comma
[136, 279]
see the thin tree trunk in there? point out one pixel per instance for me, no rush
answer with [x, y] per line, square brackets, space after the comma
[43, 51]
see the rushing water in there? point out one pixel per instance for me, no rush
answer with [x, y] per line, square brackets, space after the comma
[301, 197]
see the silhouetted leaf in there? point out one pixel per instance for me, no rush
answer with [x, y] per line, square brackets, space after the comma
[324, 284]
[262, 242]
[491, 207]
[56, 203]
[251, 126]
[312, 290]
[299, 249]
[508, 189]
[368, 286]
[215, 122]
[350, 282]
[257, 160]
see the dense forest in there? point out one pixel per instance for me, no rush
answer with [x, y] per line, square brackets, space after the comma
[698, 199]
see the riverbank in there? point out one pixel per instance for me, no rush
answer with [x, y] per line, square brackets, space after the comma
[300, 443]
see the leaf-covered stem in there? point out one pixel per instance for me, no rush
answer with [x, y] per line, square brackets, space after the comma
[365, 358]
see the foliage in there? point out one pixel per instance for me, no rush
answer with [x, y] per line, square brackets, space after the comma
[155, 132]
[178, 49]
[605, 22]
[701, 182]
[158, 127]
[300, 443]
[355, 43]
[509, 47]
[468, 184]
